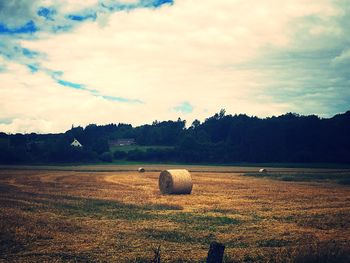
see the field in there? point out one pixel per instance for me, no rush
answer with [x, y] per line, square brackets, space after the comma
[128, 148]
[114, 214]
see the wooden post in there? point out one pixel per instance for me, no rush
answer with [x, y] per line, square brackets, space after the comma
[216, 252]
[156, 255]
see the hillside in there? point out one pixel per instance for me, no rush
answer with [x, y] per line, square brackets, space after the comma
[219, 139]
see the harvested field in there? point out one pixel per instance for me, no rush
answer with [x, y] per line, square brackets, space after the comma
[89, 216]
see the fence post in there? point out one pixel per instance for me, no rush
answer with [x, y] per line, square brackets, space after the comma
[216, 252]
[156, 258]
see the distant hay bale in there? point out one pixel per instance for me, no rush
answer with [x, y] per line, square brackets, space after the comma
[141, 170]
[177, 181]
[262, 170]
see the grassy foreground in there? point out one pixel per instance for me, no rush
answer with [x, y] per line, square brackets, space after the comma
[87, 216]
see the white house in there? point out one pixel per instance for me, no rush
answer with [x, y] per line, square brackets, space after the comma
[76, 143]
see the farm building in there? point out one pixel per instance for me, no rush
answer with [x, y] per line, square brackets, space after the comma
[122, 142]
[76, 143]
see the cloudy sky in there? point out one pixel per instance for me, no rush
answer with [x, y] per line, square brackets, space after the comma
[135, 61]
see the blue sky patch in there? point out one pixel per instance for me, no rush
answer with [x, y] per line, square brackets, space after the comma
[62, 28]
[118, 6]
[121, 99]
[28, 28]
[71, 84]
[33, 68]
[55, 75]
[130, 6]
[184, 107]
[77, 17]
[29, 53]
[91, 91]
[156, 3]
[47, 13]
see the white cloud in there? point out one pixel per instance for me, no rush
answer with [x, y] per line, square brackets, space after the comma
[73, 5]
[163, 57]
[37, 103]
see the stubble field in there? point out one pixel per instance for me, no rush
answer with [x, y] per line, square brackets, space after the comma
[118, 215]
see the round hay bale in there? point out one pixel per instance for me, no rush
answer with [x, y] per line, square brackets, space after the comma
[262, 170]
[141, 170]
[177, 181]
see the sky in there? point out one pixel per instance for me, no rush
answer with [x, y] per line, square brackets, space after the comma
[76, 62]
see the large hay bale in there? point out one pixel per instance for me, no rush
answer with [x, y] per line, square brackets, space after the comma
[141, 170]
[177, 181]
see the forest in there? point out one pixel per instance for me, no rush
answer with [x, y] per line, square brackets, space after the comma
[219, 139]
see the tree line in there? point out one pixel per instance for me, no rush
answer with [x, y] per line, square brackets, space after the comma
[221, 138]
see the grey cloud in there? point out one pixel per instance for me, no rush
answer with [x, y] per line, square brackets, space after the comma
[16, 13]
[313, 73]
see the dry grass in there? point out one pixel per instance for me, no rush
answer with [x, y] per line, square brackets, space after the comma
[54, 216]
